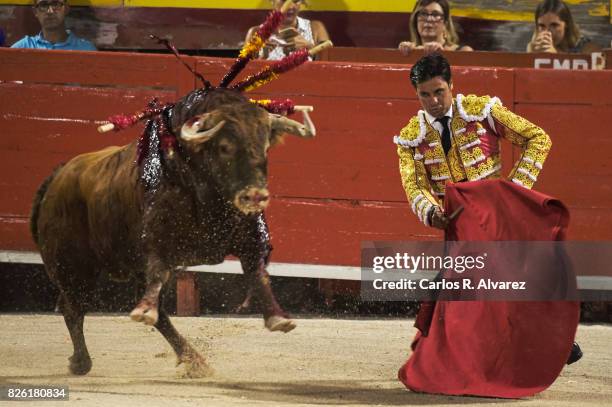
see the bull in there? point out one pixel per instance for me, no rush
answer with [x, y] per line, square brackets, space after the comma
[101, 215]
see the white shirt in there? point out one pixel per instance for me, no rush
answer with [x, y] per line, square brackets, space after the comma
[437, 125]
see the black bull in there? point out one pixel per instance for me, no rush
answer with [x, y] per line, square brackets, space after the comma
[99, 215]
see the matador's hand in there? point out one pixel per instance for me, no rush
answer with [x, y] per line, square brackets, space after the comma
[438, 219]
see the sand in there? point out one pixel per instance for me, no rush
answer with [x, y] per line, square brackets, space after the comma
[324, 362]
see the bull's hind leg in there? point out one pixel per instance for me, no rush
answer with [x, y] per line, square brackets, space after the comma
[75, 293]
[195, 364]
[80, 361]
[76, 279]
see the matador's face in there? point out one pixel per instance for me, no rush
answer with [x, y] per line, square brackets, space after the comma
[435, 95]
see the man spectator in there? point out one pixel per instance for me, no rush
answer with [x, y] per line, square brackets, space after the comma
[53, 35]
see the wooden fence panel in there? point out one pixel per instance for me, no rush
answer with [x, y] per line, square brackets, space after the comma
[330, 192]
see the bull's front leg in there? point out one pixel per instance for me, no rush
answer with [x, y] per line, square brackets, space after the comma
[147, 309]
[254, 258]
[150, 310]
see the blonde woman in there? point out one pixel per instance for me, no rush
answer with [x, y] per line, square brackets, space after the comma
[556, 31]
[294, 33]
[431, 29]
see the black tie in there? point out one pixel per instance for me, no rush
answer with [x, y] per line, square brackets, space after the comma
[446, 136]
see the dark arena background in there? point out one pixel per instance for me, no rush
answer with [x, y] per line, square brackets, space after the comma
[329, 195]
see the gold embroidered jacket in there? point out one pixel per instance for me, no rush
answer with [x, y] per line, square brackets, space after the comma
[476, 125]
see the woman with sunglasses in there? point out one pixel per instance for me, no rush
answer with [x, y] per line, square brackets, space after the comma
[294, 32]
[431, 29]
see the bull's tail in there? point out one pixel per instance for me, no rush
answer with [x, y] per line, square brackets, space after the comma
[40, 194]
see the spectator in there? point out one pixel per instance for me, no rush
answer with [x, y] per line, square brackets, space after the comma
[294, 33]
[53, 35]
[431, 29]
[556, 31]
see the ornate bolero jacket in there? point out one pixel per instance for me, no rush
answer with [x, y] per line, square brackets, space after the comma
[476, 125]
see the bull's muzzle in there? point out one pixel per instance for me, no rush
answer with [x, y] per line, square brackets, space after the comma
[252, 200]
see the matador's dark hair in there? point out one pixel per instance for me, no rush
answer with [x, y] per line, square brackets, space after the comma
[429, 67]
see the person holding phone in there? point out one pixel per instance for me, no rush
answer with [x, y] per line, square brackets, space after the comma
[555, 31]
[294, 32]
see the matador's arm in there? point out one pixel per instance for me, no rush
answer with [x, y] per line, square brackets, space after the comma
[416, 184]
[534, 142]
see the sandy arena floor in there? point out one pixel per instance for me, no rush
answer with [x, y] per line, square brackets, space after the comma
[324, 362]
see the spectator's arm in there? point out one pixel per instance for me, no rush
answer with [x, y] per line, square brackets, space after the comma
[319, 32]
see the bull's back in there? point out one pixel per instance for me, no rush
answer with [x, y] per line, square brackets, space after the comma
[92, 205]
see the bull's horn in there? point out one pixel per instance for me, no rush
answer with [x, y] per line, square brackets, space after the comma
[191, 132]
[283, 124]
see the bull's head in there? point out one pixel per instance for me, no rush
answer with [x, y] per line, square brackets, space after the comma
[225, 139]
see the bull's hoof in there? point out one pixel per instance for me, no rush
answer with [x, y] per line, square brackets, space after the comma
[195, 366]
[79, 366]
[143, 313]
[278, 323]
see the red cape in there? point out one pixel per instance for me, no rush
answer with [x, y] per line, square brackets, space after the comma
[495, 349]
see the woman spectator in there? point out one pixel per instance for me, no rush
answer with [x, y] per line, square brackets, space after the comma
[294, 32]
[431, 29]
[556, 31]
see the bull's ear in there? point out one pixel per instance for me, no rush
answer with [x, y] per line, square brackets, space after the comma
[199, 129]
[282, 124]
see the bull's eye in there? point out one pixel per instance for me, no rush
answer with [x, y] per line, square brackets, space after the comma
[226, 148]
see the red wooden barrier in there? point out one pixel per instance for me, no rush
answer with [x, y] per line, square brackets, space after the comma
[330, 193]
[477, 58]
[576, 110]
